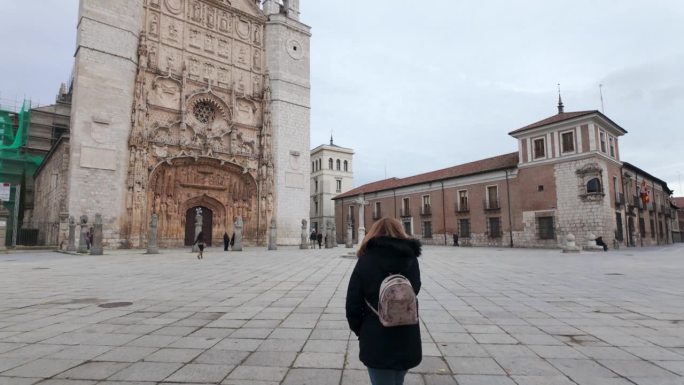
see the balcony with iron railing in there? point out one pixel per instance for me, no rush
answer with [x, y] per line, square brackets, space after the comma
[492, 205]
[636, 203]
[619, 200]
[405, 212]
[426, 210]
[461, 208]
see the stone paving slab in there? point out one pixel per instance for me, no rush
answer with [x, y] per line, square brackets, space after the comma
[488, 317]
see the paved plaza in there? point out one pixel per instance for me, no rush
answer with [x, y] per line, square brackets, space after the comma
[488, 317]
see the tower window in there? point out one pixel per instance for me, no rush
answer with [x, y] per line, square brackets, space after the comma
[539, 148]
[594, 186]
[346, 166]
[330, 164]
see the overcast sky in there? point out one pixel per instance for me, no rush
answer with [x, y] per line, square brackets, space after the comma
[413, 86]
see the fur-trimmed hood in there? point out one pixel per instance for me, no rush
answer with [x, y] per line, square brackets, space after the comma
[393, 255]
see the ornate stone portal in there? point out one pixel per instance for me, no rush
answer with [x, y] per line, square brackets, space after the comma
[201, 134]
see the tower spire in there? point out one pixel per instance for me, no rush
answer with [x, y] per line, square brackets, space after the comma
[561, 107]
[331, 137]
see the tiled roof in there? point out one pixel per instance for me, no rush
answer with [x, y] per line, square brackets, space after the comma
[490, 164]
[554, 119]
[679, 202]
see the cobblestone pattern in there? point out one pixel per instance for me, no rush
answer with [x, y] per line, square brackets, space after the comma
[488, 316]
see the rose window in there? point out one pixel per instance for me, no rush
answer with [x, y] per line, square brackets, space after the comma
[204, 112]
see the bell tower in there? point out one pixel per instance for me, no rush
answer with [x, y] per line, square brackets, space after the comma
[288, 63]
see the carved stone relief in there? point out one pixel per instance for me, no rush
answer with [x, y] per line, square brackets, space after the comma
[224, 48]
[242, 29]
[174, 6]
[225, 22]
[166, 94]
[153, 27]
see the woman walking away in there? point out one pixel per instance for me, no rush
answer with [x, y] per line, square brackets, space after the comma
[200, 244]
[382, 309]
[226, 241]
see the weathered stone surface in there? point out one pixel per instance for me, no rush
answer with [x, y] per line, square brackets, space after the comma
[72, 234]
[273, 236]
[152, 247]
[83, 242]
[237, 246]
[304, 243]
[349, 239]
[96, 247]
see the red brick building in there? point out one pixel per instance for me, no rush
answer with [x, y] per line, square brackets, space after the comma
[565, 178]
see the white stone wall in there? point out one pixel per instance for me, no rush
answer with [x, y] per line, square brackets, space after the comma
[50, 199]
[288, 63]
[582, 217]
[104, 77]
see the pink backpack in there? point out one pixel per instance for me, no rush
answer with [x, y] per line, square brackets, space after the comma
[397, 303]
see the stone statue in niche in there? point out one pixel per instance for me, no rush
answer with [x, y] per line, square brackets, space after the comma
[225, 24]
[223, 76]
[257, 59]
[241, 87]
[194, 67]
[173, 32]
[224, 48]
[209, 43]
[153, 57]
[196, 12]
[256, 86]
[211, 17]
[170, 63]
[242, 56]
[257, 35]
[208, 71]
[154, 25]
[195, 38]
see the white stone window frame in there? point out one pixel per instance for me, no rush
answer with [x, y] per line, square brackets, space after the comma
[315, 185]
[408, 221]
[460, 228]
[574, 142]
[425, 204]
[406, 204]
[377, 209]
[612, 151]
[603, 142]
[458, 202]
[534, 150]
[338, 185]
[498, 198]
[346, 166]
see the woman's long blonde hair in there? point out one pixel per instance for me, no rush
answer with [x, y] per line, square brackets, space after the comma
[384, 227]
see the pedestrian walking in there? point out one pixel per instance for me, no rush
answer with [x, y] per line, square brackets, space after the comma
[199, 241]
[386, 321]
[226, 241]
[319, 238]
[87, 239]
[232, 240]
[313, 237]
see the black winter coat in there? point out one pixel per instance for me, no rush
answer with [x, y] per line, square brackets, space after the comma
[399, 347]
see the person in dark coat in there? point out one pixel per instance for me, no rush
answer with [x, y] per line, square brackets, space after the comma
[199, 241]
[313, 238]
[319, 238]
[232, 240]
[388, 352]
[226, 241]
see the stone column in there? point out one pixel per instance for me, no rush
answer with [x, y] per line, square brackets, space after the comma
[63, 232]
[198, 228]
[4, 215]
[237, 246]
[82, 246]
[305, 236]
[328, 234]
[72, 235]
[273, 236]
[362, 219]
[152, 247]
[334, 234]
[96, 247]
[349, 241]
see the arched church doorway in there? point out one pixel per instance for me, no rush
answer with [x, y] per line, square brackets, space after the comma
[207, 224]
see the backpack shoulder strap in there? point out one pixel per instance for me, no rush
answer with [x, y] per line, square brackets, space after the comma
[372, 308]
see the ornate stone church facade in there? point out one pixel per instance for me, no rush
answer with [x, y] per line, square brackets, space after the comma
[186, 104]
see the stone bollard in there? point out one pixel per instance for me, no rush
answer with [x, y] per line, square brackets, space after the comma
[305, 236]
[199, 220]
[152, 247]
[349, 241]
[71, 247]
[96, 247]
[570, 246]
[273, 236]
[334, 235]
[237, 246]
[82, 243]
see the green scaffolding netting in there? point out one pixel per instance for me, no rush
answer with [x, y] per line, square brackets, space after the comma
[14, 132]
